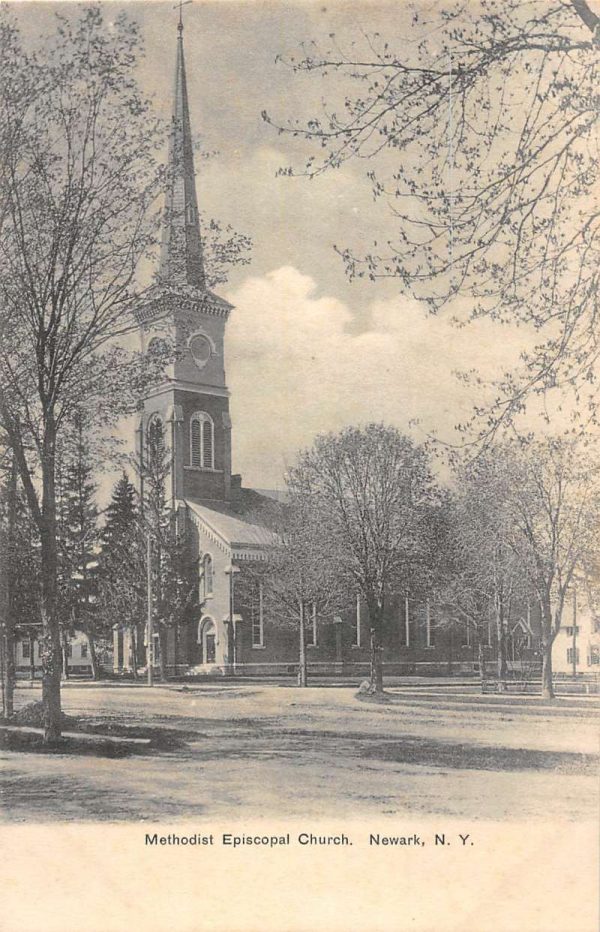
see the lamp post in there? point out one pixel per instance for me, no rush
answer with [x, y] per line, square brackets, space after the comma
[232, 572]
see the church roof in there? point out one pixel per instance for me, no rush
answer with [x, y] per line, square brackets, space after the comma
[181, 259]
[230, 528]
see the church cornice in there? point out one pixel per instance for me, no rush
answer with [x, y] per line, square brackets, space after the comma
[154, 306]
[193, 387]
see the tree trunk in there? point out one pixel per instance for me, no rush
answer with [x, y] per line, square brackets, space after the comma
[501, 665]
[376, 673]
[51, 650]
[93, 656]
[8, 561]
[302, 669]
[9, 670]
[546, 645]
[547, 679]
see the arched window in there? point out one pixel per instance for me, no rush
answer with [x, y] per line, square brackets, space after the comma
[156, 437]
[207, 576]
[202, 441]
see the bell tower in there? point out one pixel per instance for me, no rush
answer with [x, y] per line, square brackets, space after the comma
[181, 320]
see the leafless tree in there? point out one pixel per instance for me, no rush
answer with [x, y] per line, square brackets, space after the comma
[301, 573]
[483, 581]
[479, 137]
[552, 490]
[373, 491]
[77, 184]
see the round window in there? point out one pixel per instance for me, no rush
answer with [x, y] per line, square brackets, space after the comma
[200, 349]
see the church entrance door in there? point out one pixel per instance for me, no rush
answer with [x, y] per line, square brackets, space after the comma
[210, 651]
[208, 641]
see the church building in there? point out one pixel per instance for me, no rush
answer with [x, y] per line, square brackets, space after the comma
[189, 409]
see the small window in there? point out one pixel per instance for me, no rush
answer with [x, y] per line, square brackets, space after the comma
[594, 657]
[572, 655]
[572, 629]
[256, 616]
[26, 650]
[467, 635]
[311, 625]
[202, 445]
[207, 576]
[155, 440]
[84, 651]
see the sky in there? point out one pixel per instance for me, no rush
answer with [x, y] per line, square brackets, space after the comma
[307, 351]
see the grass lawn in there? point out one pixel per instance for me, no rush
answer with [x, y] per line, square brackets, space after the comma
[265, 751]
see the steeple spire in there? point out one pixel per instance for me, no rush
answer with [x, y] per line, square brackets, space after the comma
[181, 261]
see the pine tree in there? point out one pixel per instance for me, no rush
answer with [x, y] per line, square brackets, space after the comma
[121, 514]
[121, 575]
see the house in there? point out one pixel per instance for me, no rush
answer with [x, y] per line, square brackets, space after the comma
[28, 659]
[576, 648]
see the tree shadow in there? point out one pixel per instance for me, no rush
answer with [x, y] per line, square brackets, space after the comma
[411, 750]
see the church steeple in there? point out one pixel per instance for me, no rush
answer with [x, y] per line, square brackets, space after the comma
[180, 314]
[181, 260]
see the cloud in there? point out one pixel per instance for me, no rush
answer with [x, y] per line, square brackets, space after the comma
[297, 367]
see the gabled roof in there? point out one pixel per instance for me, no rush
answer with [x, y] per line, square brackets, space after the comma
[229, 529]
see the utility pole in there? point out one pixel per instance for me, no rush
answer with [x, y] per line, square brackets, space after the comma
[149, 628]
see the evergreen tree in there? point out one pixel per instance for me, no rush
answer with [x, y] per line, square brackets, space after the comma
[121, 574]
[121, 514]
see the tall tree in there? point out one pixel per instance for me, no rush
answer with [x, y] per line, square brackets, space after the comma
[477, 137]
[121, 568]
[484, 583]
[373, 491]
[77, 184]
[553, 495]
[300, 576]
